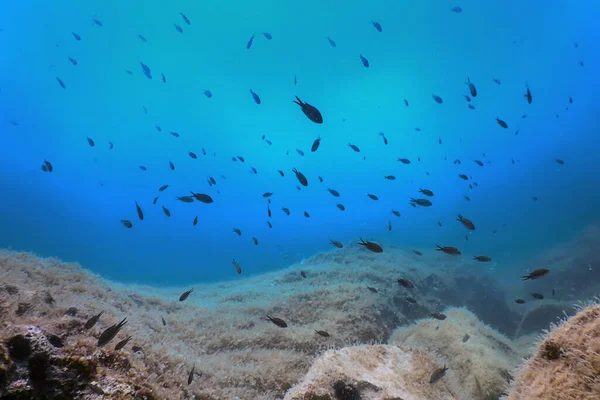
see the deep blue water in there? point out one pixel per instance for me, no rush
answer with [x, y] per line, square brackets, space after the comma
[424, 49]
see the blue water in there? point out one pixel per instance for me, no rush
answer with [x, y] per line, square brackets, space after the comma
[424, 49]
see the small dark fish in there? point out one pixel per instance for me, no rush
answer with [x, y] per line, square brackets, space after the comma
[110, 145]
[142, 38]
[354, 147]
[249, 44]
[303, 274]
[372, 246]
[48, 165]
[331, 42]
[306, 214]
[341, 207]
[242, 159]
[267, 194]
[164, 79]
[192, 155]
[267, 35]
[320, 179]
[295, 80]
[122, 343]
[310, 111]
[143, 168]
[203, 198]
[364, 61]
[496, 81]
[280, 172]
[456, 9]
[76, 36]
[255, 97]
[237, 266]
[300, 152]
[174, 134]
[185, 19]
[478, 162]
[536, 274]
[237, 231]
[285, 210]
[140, 213]
[337, 244]
[520, 301]
[110, 333]
[528, 95]
[463, 177]
[437, 375]
[372, 289]
[410, 300]
[72, 60]
[171, 165]
[406, 102]
[472, 88]
[92, 321]
[438, 316]
[390, 177]
[466, 222]
[437, 99]
[559, 161]
[406, 283]
[404, 160]
[373, 197]
[501, 123]
[127, 223]
[377, 26]
[163, 188]
[185, 295]
[439, 224]
[389, 226]
[538, 296]
[426, 192]
[207, 93]
[163, 321]
[570, 100]
[192, 372]
[269, 223]
[482, 258]
[417, 252]
[316, 144]
[453, 251]
[322, 333]
[195, 222]
[396, 213]
[178, 28]
[185, 199]
[166, 211]
[467, 98]
[278, 321]
[333, 192]
[97, 21]
[300, 176]
[90, 142]
[420, 202]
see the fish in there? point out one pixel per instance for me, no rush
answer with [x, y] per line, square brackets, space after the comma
[300, 152]
[90, 142]
[166, 211]
[396, 213]
[536, 274]
[207, 93]
[110, 145]
[310, 111]
[341, 207]
[463, 177]
[354, 147]
[377, 26]
[389, 226]
[237, 266]
[278, 321]
[316, 144]
[420, 202]
[109, 333]
[143, 168]
[478, 162]
[97, 21]
[72, 61]
[482, 258]
[426, 192]
[466, 222]
[406, 283]
[202, 198]
[142, 38]
[140, 213]
[553, 292]
[372, 289]
[331, 42]
[404, 160]
[320, 179]
[163, 321]
[92, 321]
[559, 161]
[333, 192]
[303, 274]
[390, 177]
[372, 196]
[195, 222]
[267, 35]
[164, 78]
[192, 155]
[300, 176]
[372, 246]
[285, 210]
[76, 36]
[185, 19]
[48, 165]
[528, 96]
[406, 102]
[191, 375]
[185, 199]
[322, 333]
[364, 61]
[438, 316]
[185, 295]
[437, 375]
[171, 165]
[410, 300]
[538, 296]
[472, 88]
[456, 9]
[146, 70]
[249, 44]
[453, 251]
[178, 28]
[337, 244]
[237, 231]
[255, 97]
[122, 343]
[501, 123]
[267, 194]
[127, 223]
[466, 338]
[163, 188]
[270, 225]
[520, 301]
[437, 99]
[306, 214]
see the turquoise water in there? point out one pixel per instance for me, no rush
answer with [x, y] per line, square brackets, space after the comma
[424, 48]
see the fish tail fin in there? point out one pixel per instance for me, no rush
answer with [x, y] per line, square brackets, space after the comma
[298, 101]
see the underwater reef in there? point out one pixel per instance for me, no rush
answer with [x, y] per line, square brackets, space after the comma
[335, 326]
